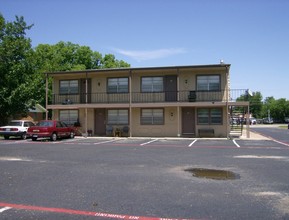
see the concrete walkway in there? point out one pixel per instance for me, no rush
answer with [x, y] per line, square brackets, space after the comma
[257, 136]
[253, 136]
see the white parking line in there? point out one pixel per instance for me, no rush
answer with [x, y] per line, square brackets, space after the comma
[279, 142]
[236, 143]
[151, 141]
[4, 209]
[71, 140]
[191, 144]
[103, 142]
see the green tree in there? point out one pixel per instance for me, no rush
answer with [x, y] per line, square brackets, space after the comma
[256, 104]
[255, 101]
[109, 61]
[18, 80]
[278, 109]
[66, 56]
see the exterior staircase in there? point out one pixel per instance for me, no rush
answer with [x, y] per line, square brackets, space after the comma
[236, 130]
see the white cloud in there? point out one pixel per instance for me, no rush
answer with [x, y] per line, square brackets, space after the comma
[141, 55]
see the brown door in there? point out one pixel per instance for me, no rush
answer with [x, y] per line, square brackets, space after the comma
[100, 125]
[171, 88]
[188, 121]
[83, 91]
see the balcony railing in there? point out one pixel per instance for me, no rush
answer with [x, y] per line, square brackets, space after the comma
[147, 97]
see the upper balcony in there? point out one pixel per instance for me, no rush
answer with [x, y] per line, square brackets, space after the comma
[148, 97]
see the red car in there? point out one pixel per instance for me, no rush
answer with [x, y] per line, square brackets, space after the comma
[52, 129]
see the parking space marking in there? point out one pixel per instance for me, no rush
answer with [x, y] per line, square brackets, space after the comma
[191, 144]
[83, 213]
[234, 141]
[104, 142]
[279, 142]
[19, 159]
[71, 140]
[4, 209]
[151, 141]
[262, 157]
[14, 142]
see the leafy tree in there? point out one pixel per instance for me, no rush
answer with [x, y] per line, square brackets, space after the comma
[18, 81]
[279, 109]
[256, 104]
[66, 56]
[109, 61]
[255, 101]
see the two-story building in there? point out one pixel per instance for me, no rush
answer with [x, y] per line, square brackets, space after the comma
[176, 101]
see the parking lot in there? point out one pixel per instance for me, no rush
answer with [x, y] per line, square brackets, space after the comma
[143, 178]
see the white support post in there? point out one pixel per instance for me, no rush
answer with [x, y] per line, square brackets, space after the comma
[248, 122]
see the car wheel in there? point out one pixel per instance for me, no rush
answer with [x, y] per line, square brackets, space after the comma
[71, 135]
[6, 137]
[24, 136]
[34, 138]
[53, 137]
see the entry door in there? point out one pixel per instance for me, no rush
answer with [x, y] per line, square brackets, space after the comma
[83, 91]
[188, 121]
[171, 88]
[100, 125]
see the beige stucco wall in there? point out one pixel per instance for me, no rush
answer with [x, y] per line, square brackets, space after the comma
[82, 120]
[171, 126]
[186, 80]
[220, 130]
[169, 129]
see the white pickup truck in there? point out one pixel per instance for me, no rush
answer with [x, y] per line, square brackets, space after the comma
[16, 128]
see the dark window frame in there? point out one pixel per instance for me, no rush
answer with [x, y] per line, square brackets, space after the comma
[69, 82]
[153, 118]
[153, 91]
[210, 118]
[71, 120]
[117, 78]
[118, 115]
[208, 85]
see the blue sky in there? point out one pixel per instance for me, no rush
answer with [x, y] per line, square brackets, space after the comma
[251, 35]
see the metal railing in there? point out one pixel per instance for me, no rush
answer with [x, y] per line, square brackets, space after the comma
[149, 97]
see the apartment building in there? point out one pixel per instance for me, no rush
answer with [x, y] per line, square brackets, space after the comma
[174, 101]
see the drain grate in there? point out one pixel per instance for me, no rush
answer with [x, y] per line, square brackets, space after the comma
[213, 174]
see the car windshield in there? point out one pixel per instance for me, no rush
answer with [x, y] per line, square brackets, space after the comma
[15, 123]
[45, 124]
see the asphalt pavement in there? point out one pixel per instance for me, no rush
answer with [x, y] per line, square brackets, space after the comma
[146, 178]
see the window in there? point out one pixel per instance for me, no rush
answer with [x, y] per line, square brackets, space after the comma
[208, 83]
[212, 116]
[216, 116]
[117, 85]
[203, 116]
[68, 87]
[152, 84]
[117, 117]
[152, 116]
[45, 124]
[15, 123]
[28, 124]
[69, 117]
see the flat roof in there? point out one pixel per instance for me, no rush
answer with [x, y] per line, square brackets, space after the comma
[141, 68]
